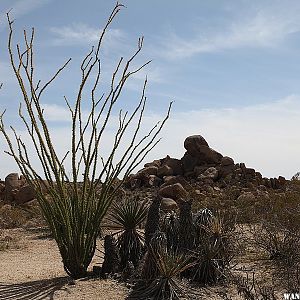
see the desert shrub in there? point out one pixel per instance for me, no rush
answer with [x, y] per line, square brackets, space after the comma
[215, 249]
[158, 245]
[167, 285]
[170, 226]
[279, 243]
[250, 289]
[128, 216]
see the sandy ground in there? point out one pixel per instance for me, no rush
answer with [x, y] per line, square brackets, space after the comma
[34, 271]
[31, 269]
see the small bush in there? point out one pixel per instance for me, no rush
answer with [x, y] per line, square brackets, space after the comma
[128, 216]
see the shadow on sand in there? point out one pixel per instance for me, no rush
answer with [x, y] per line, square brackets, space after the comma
[33, 290]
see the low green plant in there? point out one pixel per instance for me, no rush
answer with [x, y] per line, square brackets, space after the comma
[111, 261]
[128, 216]
[170, 226]
[214, 251]
[153, 218]
[158, 245]
[167, 285]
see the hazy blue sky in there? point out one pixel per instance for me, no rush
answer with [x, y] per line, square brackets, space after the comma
[231, 66]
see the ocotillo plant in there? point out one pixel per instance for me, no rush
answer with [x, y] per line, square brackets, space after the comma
[74, 206]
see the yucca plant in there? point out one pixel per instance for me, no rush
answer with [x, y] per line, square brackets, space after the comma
[111, 262]
[167, 285]
[186, 227]
[201, 220]
[127, 216]
[209, 267]
[170, 226]
[203, 217]
[158, 244]
[152, 222]
[214, 252]
[75, 190]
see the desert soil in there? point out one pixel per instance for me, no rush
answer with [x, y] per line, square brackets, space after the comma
[32, 270]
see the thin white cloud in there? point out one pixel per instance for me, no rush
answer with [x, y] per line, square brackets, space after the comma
[56, 113]
[266, 28]
[153, 74]
[265, 137]
[82, 34]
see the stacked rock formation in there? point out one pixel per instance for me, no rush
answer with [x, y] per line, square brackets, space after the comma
[200, 164]
[14, 190]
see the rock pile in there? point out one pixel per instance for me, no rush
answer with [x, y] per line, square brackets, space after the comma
[14, 190]
[202, 170]
[202, 165]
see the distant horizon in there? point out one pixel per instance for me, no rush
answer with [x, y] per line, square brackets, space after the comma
[152, 159]
[231, 68]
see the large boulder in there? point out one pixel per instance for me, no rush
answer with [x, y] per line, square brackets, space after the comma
[209, 155]
[210, 173]
[154, 181]
[245, 198]
[12, 183]
[174, 164]
[193, 143]
[281, 181]
[2, 192]
[198, 170]
[25, 194]
[154, 163]
[132, 182]
[168, 204]
[150, 170]
[188, 164]
[226, 167]
[174, 191]
[164, 171]
[177, 179]
[227, 161]
[197, 146]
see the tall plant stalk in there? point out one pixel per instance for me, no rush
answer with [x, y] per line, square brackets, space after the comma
[74, 206]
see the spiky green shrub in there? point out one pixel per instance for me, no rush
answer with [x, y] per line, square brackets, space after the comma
[128, 216]
[152, 222]
[214, 252]
[203, 217]
[170, 226]
[111, 261]
[201, 220]
[75, 201]
[158, 245]
[167, 285]
[209, 267]
[186, 228]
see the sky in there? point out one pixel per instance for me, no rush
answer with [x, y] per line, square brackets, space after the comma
[232, 68]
